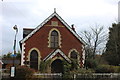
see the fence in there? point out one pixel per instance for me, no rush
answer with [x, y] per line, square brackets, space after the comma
[73, 76]
[48, 75]
[77, 76]
[99, 75]
[5, 73]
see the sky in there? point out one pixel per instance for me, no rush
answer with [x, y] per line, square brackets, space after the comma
[30, 13]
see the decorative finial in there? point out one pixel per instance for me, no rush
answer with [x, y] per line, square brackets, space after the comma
[54, 10]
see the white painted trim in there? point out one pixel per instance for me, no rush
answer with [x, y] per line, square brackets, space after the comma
[1, 62]
[83, 55]
[22, 54]
[78, 55]
[45, 21]
[39, 56]
[52, 54]
[59, 37]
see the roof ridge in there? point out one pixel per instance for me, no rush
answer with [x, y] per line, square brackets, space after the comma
[46, 20]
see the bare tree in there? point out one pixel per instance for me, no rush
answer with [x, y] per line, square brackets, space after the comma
[95, 38]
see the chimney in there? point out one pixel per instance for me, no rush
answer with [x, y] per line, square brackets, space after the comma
[73, 27]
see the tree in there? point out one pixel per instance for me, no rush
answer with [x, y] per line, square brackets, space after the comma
[95, 40]
[9, 55]
[112, 53]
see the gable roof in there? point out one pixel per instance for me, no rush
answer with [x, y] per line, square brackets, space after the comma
[52, 54]
[45, 21]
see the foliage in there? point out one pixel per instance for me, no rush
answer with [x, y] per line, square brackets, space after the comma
[66, 69]
[91, 63]
[83, 71]
[73, 68]
[44, 66]
[24, 72]
[9, 55]
[107, 69]
[116, 69]
[112, 53]
[74, 64]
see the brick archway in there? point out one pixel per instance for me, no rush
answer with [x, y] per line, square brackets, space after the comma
[57, 66]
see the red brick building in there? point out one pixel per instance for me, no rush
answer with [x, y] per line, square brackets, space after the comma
[53, 39]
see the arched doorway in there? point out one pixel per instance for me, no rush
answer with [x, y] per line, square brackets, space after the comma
[57, 66]
[34, 60]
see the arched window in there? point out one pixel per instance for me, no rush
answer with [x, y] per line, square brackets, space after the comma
[54, 39]
[34, 59]
[74, 55]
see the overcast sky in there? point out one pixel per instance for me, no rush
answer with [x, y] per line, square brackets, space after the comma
[30, 13]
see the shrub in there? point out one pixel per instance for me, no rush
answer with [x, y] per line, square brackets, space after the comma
[66, 67]
[116, 69]
[45, 66]
[66, 70]
[42, 66]
[83, 70]
[24, 72]
[74, 64]
[91, 63]
[105, 69]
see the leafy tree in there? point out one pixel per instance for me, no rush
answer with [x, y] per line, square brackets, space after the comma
[9, 55]
[112, 53]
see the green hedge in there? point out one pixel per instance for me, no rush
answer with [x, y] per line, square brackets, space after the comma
[107, 69]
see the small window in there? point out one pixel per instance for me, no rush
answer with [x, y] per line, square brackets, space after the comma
[73, 55]
[54, 23]
[54, 39]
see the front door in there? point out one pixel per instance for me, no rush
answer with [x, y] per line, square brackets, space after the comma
[34, 60]
[57, 66]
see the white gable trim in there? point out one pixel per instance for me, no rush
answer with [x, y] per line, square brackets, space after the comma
[45, 21]
[51, 55]
[1, 62]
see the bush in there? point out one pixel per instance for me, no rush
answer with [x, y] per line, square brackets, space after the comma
[83, 71]
[24, 72]
[45, 66]
[91, 63]
[116, 69]
[66, 67]
[74, 64]
[105, 69]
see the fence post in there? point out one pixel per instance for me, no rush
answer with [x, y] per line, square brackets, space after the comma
[74, 76]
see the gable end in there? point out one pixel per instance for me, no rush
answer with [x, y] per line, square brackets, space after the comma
[45, 21]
